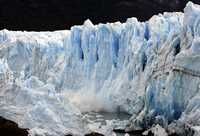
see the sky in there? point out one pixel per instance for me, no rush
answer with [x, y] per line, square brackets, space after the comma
[49, 15]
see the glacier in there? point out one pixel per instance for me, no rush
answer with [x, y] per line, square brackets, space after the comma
[147, 69]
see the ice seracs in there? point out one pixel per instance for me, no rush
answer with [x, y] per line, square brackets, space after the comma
[147, 69]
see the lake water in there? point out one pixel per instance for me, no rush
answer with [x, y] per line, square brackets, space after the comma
[102, 118]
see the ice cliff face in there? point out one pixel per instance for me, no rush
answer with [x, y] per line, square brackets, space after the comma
[149, 69]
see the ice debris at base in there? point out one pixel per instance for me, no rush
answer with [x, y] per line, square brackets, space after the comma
[148, 69]
[156, 131]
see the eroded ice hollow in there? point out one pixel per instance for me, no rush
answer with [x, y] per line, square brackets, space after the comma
[150, 70]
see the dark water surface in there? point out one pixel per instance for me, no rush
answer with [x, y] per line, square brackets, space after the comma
[101, 117]
[108, 116]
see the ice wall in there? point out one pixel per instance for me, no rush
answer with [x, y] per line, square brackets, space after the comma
[148, 69]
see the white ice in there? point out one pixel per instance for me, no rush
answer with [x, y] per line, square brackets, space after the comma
[147, 69]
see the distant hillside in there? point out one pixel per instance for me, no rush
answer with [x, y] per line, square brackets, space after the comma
[62, 14]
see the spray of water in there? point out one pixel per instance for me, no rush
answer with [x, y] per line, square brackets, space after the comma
[88, 100]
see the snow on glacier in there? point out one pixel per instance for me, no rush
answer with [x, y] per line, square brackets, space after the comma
[147, 69]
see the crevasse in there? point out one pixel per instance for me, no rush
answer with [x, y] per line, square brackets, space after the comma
[147, 69]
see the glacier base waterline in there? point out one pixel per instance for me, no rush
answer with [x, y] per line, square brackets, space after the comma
[147, 69]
